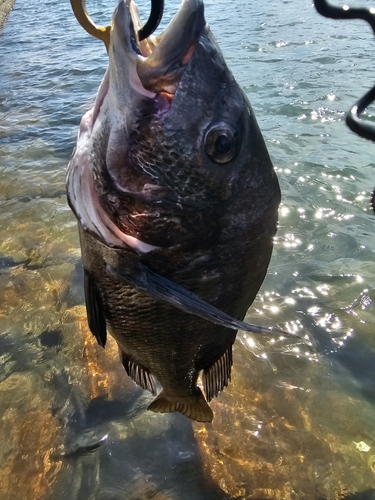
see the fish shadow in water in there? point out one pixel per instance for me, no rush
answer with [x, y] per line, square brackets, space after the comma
[144, 455]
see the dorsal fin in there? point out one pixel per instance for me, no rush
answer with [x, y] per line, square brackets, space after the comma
[218, 375]
[138, 373]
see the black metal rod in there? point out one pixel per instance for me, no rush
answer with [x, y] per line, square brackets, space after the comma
[157, 9]
[327, 10]
[353, 119]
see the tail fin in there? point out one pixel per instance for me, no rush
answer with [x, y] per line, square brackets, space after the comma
[197, 409]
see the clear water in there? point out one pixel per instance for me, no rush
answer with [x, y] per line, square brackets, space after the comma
[294, 423]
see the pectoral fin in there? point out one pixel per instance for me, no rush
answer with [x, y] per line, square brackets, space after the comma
[176, 295]
[94, 309]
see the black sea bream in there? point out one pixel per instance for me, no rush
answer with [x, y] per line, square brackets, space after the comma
[176, 200]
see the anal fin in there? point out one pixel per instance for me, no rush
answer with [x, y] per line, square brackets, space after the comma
[140, 375]
[94, 309]
[198, 409]
[218, 375]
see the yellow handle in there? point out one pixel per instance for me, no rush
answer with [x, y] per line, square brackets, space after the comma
[101, 32]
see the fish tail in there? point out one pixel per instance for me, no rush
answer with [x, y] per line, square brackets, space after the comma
[197, 409]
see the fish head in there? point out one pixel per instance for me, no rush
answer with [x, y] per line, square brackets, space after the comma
[174, 94]
[171, 125]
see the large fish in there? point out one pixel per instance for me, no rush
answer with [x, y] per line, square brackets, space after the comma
[176, 200]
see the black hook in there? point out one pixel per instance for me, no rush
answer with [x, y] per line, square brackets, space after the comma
[157, 9]
[353, 116]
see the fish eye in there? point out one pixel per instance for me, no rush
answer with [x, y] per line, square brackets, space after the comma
[221, 142]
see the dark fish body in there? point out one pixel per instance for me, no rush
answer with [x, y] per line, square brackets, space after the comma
[176, 200]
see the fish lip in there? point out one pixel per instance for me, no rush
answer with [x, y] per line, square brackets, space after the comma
[157, 63]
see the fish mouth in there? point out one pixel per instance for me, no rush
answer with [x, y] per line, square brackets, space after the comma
[156, 64]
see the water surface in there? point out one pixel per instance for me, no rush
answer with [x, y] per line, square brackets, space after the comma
[294, 423]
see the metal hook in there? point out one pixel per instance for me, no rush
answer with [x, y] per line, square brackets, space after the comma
[101, 32]
[104, 32]
[157, 9]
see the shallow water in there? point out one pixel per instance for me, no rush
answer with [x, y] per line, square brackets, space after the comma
[294, 423]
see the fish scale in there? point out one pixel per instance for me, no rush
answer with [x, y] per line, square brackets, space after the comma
[154, 163]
